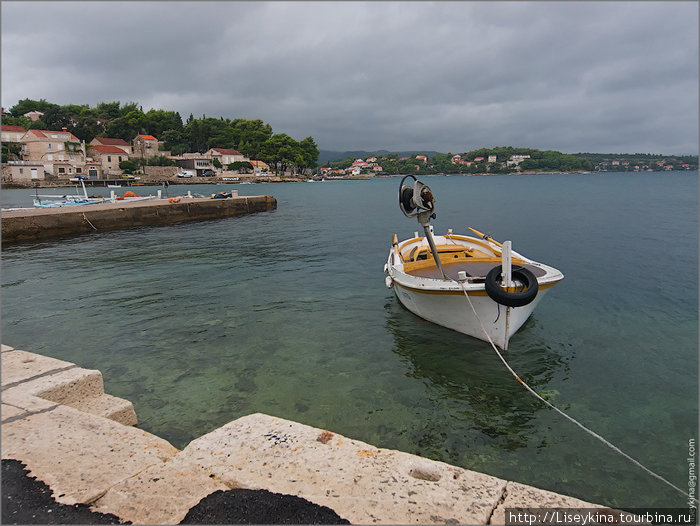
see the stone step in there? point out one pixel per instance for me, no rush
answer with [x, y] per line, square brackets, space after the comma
[71, 386]
[108, 406]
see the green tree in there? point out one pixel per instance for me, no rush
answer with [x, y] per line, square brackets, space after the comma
[85, 128]
[241, 167]
[121, 128]
[137, 121]
[158, 121]
[56, 118]
[160, 160]
[27, 105]
[310, 153]
[108, 110]
[130, 165]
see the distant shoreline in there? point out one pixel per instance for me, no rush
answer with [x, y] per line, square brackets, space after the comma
[277, 179]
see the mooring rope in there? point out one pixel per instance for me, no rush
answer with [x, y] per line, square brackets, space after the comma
[562, 413]
[86, 219]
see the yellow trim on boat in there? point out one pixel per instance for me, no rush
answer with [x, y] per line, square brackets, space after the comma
[460, 292]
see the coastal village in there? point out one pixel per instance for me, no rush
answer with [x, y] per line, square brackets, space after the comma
[40, 157]
[55, 156]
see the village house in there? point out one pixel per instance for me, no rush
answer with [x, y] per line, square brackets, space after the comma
[109, 158]
[48, 147]
[260, 168]
[197, 162]
[23, 171]
[34, 115]
[515, 160]
[145, 146]
[106, 141]
[492, 158]
[422, 158]
[12, 133]
[226, 156]
[93, 169]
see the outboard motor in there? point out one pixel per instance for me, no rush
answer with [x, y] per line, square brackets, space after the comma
[418, 201]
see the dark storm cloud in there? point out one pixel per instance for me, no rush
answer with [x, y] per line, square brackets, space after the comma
[448, 76]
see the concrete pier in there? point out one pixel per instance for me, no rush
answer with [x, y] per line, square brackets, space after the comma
[37, 223]
[81, 442]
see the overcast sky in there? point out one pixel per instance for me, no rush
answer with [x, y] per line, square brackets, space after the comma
[610, 77]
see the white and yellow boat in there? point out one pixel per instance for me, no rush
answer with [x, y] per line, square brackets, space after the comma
[498, 302]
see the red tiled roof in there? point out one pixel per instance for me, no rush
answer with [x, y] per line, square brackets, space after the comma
[46, 134]
[112, 142]
[259, 164]
[226, 151]
[10, 128]
[107, 149]
[148, 137]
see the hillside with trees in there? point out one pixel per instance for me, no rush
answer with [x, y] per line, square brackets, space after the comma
[510, 160]
[252, 138]
[475, 162]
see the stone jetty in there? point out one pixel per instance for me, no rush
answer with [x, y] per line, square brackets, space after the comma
[36, 223]
[81, 442]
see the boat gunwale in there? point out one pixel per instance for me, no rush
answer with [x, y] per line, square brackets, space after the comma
[474, 285]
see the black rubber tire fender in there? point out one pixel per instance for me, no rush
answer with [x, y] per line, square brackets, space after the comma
[511, 299]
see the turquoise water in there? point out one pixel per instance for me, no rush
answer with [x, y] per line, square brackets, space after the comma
[286, 313]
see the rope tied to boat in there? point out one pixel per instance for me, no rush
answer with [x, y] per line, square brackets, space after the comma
[562, 413]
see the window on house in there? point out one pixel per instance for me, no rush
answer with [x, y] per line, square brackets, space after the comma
[120, 158]
[48, 146]
[78, 170]
[61, 170]
[109, 158]
[21, 171]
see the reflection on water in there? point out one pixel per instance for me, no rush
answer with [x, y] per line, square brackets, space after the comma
[464, 372]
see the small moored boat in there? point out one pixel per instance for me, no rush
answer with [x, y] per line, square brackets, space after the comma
[476, 285]
[55, 201]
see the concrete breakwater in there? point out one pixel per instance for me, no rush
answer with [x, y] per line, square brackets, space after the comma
[81, 442]
[37, 223]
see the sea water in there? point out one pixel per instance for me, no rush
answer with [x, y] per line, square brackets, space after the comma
[286, 313]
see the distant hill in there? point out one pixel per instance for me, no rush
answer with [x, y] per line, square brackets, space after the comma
[332, 155]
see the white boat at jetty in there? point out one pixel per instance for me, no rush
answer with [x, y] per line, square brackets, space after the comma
[466, 289]
[53, 201]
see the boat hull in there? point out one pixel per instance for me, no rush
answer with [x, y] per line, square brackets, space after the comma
[454, 312]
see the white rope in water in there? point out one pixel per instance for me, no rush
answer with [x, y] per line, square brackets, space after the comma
[562, 413]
